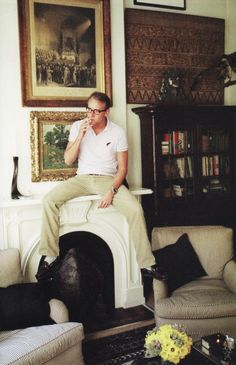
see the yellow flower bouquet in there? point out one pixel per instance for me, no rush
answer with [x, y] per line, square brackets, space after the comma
[170, 342]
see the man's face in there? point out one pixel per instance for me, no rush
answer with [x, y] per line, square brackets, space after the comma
[96, 111]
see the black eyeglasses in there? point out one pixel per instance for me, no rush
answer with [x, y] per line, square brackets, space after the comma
[95, 111]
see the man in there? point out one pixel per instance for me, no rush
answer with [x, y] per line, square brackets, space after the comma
[101, 149]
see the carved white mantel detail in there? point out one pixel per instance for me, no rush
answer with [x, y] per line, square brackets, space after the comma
[21, 222]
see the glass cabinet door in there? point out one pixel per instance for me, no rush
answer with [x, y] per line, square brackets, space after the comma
[215, 160]
[177, 164]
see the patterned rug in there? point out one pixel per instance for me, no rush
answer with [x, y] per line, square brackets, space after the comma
[117, 349]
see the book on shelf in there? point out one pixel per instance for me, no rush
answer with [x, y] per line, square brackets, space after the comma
[165, 144]
[178, 190]
[213, 165]
[205, 143]
[189, 172]
[216, 165]
[170, 169]
[181, 167]
[176, 142]
[224, 165]
[187, 141]
[178, 167]
[210, 162]
[181, 142]
[165, 148]
[214, 185]
[215, 141]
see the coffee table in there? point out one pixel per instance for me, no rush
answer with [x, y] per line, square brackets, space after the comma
[213, 359]
[196, 357]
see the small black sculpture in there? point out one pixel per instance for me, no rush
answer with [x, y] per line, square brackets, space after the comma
[15, 194]
[172, 87]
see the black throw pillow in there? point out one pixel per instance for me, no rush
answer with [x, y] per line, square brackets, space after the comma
[180, 261]
[24, 305]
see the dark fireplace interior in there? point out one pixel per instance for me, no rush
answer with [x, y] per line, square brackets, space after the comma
[85, 281]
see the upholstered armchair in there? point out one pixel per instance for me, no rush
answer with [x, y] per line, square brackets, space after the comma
[204, 298]
[52, 344]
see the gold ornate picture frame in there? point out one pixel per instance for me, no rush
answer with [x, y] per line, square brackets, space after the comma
[49, 132]
[65, 51]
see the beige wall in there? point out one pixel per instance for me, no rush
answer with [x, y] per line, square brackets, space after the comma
[14, 119]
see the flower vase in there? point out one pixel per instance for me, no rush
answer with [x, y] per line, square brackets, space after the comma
[15, 194]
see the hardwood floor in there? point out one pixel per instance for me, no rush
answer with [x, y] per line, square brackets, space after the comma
[124, 320]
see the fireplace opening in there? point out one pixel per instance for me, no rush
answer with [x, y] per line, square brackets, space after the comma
[93, 262]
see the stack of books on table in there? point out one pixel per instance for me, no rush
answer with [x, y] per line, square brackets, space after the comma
[212, 347]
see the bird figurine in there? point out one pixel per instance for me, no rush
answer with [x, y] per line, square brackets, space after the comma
[223, 69]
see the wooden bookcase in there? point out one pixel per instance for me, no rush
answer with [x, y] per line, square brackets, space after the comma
[189, 160]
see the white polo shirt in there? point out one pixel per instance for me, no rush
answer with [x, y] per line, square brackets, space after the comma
[98, 152]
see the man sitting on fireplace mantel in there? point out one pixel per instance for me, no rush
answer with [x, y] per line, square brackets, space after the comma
[100, 146]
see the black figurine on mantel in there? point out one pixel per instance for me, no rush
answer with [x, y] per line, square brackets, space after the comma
[15, 194]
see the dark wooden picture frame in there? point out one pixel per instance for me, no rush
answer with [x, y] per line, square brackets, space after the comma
[169, 4]
[49, 132]
[65, 51]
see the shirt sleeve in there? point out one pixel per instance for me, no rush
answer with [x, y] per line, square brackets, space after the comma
[122, 144]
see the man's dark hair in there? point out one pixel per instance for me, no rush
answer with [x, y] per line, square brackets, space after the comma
[101, 97]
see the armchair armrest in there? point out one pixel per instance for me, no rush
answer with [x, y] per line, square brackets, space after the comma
[229, 275]
[58, 311]
[160, 289]
[10, 267]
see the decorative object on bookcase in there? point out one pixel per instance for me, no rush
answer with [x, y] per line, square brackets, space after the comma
[15, 194]
[229, 63]
[223, 69]
[172, 87]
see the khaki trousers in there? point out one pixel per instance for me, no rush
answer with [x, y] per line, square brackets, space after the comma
[81, 185]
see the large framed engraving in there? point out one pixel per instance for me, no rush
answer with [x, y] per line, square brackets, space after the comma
[49, 132]
[65, 51]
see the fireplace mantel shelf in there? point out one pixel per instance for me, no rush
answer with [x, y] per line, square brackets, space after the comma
[21, 221]
[37, 199]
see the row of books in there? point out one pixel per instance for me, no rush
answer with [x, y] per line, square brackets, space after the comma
[215, 165]
[178, 168]
[215, 141]
[176, 142]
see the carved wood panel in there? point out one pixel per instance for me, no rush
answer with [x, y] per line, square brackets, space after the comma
[156, 41]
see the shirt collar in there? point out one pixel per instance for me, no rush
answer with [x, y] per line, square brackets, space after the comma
[108, 126]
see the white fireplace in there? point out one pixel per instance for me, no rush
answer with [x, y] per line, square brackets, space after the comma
[21, 222]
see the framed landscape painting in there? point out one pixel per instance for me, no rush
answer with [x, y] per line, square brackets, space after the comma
[65, 51]
[49, 132]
